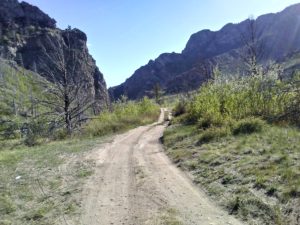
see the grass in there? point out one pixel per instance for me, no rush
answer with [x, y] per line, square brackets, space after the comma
[248, 126]
[123, 116]
[167, 216]
[254, 175]
[42, 184]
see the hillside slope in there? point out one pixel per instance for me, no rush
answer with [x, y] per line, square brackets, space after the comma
[205, 49]
[30, 37]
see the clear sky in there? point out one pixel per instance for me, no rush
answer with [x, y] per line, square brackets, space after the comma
[125, 34]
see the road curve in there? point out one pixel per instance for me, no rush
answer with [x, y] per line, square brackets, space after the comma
[135, 183]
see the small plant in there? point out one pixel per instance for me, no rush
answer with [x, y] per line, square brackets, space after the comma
[180, 109]
[205, 123]
[213, 134]
[32, 131]
[234, 205]
[260, 182]
[248, 126]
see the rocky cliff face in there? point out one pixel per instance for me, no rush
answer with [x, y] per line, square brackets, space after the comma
[30, 37]
[279, 34]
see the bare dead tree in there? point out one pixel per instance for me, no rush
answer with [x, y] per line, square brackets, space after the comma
[66, 95]
[156, 92]
[253, 50]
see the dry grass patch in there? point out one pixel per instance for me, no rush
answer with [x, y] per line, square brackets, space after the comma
[254, 176]
[42, 184]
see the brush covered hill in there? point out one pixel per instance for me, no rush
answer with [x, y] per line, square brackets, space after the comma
[278, 33]
[30, 37]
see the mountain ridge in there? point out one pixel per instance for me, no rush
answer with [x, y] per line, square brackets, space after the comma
[180, 72]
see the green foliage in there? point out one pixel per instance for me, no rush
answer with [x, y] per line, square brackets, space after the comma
[19, 110]
[262, 96]
[26, 112]
[180, 108]
[124, 115]
[213, 134]
[248, 126]
[221, 141]
[32, 130]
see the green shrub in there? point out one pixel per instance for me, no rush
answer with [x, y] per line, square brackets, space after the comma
[263, 96]
[60, 134]
[213, 134]
[124, 115]
[180, 108]
[248, 126]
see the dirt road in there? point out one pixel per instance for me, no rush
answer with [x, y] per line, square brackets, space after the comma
[135, 184]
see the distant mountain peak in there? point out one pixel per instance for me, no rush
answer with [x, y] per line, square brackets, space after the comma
[24, 14]
[280, 33]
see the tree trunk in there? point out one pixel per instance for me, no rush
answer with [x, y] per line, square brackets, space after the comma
[67, 115]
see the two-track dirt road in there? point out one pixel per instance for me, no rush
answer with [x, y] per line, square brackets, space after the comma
[135, 184]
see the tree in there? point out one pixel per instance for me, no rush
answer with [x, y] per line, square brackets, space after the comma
[66, 95]
[253, 50]
[157, 92]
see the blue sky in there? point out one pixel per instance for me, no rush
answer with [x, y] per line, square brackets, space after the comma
[125, 34]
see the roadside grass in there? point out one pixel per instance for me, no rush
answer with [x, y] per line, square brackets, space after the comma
[254, 175]
[168, 216]
[124, 116]
[42, 184]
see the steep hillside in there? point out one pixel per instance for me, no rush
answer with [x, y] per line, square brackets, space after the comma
[205, 49]
[19, 91]
[31, 38]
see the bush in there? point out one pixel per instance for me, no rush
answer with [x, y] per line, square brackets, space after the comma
[124, 115]
[32, 132]
[213, 134]
[180, 108]
[248, 126]
[263, 96]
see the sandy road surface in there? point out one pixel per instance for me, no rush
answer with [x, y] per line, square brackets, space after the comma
[135, 184]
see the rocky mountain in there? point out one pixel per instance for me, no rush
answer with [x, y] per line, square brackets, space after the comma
[30, 37]
[278, 34]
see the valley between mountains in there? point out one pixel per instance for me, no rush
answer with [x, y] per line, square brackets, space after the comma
[206, 136]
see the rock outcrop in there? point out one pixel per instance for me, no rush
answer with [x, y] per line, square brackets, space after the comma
[278, 33]
[30, 37]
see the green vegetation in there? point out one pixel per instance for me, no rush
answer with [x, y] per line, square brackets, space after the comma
[239, 138]
[42, 184]
[43, 169]
[25, 117]
[248, 126]
[123, 116]
[263, 96]
[21, 117]
[167, 216]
